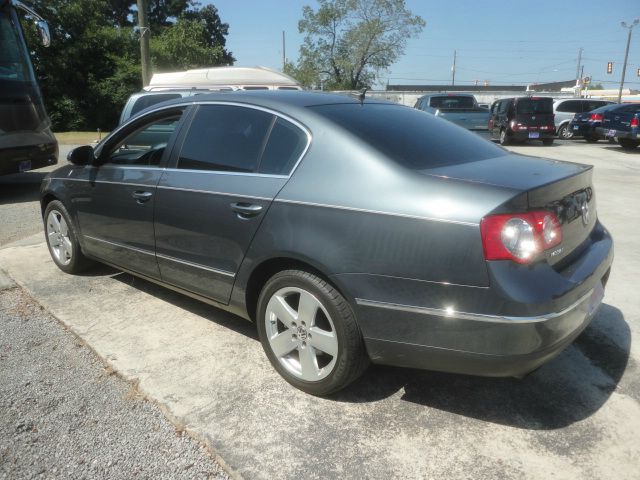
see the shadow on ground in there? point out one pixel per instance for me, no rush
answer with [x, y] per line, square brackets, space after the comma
[619, 149]
[570, 388]
[20, 188]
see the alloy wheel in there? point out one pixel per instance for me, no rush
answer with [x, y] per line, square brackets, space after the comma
[58, 236]
[301, 334]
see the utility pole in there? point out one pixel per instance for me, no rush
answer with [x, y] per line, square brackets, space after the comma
[284, 56]
[578, 74]
[580, 84]
[453, 69]
[145, 33]
[626, 54]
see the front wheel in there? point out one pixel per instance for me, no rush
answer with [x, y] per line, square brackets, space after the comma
[564, 132]
[62, 239]
[309, 333]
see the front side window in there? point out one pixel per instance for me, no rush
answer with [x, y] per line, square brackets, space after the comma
[145, 146]
[225, 138]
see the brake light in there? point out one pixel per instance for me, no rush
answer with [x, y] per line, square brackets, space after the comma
[634, 122]
[596, 117]
[519, 237]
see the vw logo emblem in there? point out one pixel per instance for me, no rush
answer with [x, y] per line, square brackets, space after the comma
[585, 212]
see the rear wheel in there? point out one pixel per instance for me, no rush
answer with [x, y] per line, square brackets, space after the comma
[628, 144]
[564, 132]
[62, 239]
[547, 141]
[504, 137]
[309, 333]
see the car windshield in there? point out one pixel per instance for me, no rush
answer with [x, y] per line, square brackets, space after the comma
[451, 102]
[535, 105]
[413, 138]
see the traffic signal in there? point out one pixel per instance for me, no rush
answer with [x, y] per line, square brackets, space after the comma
[610, 67]
[638, 73]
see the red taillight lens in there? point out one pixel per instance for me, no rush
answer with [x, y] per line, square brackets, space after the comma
[596, 117]
[519, 237]
[634, 122]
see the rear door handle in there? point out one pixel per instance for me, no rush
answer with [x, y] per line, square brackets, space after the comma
[142, 196]
[246, 210]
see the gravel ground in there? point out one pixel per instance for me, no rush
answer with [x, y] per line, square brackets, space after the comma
[64, 415]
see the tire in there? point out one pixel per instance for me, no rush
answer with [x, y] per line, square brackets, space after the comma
[62, 239]
[564, 133]
[320, 351]
[547, 141]
[628, 144]
[590, 138]
[504, 137]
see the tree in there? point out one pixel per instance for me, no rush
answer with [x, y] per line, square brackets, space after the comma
[349, 42]
[197, 39]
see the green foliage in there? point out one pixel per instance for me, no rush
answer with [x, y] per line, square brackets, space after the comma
[349, 42]
[597, 86]
[93, 64]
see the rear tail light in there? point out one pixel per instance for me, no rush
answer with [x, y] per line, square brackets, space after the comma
[596, 117]
[519, 237]
[634, 122]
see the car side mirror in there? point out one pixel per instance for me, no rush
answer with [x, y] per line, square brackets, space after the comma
[43, 32]
[83, 155]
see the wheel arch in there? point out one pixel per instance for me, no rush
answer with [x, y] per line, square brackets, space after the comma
[267, 268]
[46, 199]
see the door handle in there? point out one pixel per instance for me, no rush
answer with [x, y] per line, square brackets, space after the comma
[246, 210]
[141, 196]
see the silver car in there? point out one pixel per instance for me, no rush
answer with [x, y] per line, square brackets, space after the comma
[565, 109]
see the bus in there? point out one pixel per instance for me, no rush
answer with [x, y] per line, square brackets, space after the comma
[26, 139]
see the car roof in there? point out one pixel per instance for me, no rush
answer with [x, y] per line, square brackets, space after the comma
[274, 99]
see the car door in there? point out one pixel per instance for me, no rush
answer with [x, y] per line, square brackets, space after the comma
[233, 161]
[114, 200]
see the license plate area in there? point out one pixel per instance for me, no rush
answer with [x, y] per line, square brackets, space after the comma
[576, 127]
[534, 134]
[611, 133]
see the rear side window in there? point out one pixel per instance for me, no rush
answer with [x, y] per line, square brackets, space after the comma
[592, 105]
[570, 106]
[149, 100]
[409, 137]
[535, 105]
[225, 138]
[284, 147]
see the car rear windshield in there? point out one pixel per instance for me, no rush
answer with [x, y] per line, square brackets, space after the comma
[452, 102]
[535, 105]
[413, 138]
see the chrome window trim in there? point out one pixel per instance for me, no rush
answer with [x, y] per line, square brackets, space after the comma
[210, 192]
[480, 317]
[222, 172]
[196, 265]
[152, 185]
[376, 212]
[115, 244]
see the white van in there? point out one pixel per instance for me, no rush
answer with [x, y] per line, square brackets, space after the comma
[222, 78]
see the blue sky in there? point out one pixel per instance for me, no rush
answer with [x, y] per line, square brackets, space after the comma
[514, 42]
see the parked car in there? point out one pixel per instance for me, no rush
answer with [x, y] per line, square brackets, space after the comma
[621, 122]
[584, 124]
[565, 109]
[459, 108]
[140, 101]
[522, 118]
[467, 258]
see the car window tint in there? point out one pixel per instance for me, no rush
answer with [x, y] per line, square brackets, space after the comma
[504, 105]
[535, 105]
[409, 137]
[145, 146]
[284, 147]
[570, 106]
[592, 105]
[225, 138]
[452, 102]
[149, 100]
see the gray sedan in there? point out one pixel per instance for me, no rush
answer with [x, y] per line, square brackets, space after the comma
[350, 231]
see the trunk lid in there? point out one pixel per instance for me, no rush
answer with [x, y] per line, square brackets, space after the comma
[563, 188]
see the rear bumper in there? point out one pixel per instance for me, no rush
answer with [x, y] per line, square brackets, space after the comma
[524, 318]
[581, 131]
[524, 135]
[604, 133]
[20, 159]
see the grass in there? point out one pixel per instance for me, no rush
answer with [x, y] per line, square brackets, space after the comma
[78, 138]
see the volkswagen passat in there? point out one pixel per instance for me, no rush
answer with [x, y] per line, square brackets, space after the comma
[350, 231]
